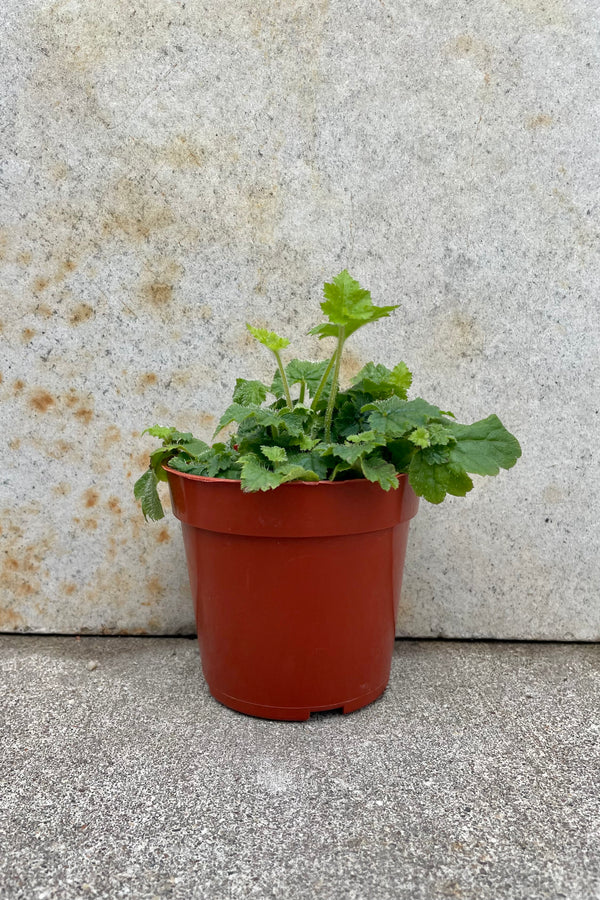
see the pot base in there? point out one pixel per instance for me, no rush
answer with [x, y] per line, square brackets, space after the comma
[295, 713]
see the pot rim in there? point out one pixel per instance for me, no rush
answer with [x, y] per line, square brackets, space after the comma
[209, 479]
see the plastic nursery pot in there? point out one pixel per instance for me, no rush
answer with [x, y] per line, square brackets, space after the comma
[295, 590]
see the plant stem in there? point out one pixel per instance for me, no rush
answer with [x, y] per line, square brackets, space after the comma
[302, 392]
[323, 382]
[284, 381]
[334, 384]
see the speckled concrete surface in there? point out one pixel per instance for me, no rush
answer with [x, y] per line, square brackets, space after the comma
[170, 170]
[476, 776]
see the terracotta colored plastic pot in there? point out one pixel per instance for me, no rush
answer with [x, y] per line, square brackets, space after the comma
[295, 590]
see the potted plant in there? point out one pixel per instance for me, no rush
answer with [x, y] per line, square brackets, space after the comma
[295, 524]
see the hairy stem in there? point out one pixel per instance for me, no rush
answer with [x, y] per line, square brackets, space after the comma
[334, 384]
[323, 382]
[284, 381]
[302, 392]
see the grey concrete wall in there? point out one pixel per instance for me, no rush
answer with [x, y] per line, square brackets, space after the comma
[170, 170]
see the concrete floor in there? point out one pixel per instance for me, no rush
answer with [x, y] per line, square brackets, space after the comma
[477, 775]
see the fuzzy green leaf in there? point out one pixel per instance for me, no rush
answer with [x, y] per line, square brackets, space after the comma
[377, 469]
[420, 437]
[380, 382]
[311, 461]
[300, 371]
[347, 306]
[401, 452]
[296, 473]
[303, 441]
[274, 454]
[145, 490]
[328, 330]
[395, 417]
[439, 435]
[401, 379]
[268, 338]
[350, 453]
[251, 393]
[163, 432]
[345, 300]
[433, 482]
[239, 413]
[181, 437]
[188, 466]
[366, 437]
[484, 447]
[256, 476]
[295, 422]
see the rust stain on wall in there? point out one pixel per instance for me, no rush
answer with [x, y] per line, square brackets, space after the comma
[41, 401]
[22, 560]
[182, 153]
[110, 437]
[157, 284]
[542, 120]
[147, 380]
[134, 209]
[84, 414]
[114, 506]
[90, 497]
[350, 366]
[81, 313]
[458, 335]
[11, 620]
[472, 48]
[154, 587]
[40, 284]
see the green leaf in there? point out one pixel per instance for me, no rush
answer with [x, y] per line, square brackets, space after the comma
[484, 447]
[327, 330]
[380, 382]
[401, 452]
[239, 413]
[181, 437]
[420, 437]
[401, 379]
[219, 458]
[296, 473]
[348, 418]
[159, 457]
[433, 482]
[256, 476]
[268, 338]
[347, 306]
[249, 392]
[188, 466]
[436, 455]
[350, 453]
[377, 469]
[145, 490]
[439, 435]
[395, 417]
[298, 371]
[311, 462]
[345, 300]
[303, 441]
[274, 454]
[369, 437]
[163, 432]
[295, 422]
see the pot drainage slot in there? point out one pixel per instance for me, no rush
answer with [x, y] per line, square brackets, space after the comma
[326, 713]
